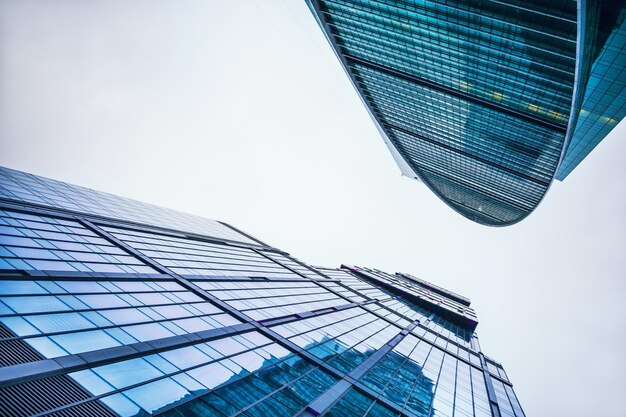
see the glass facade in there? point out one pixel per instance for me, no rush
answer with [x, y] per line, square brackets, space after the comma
[107, 316]
[603, 105]
[480, 100]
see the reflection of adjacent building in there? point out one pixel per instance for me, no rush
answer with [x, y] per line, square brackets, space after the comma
[112, 307]
[484, 102]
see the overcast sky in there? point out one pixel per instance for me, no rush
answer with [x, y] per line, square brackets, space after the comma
[237, 110]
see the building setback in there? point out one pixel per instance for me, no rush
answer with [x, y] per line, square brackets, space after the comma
[485, 102]
[112, 307]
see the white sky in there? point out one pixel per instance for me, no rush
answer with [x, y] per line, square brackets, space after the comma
[238, 110]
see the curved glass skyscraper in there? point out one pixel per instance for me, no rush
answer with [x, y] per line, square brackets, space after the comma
[486, 102]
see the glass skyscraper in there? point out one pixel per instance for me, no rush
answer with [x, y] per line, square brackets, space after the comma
[485, 102]
[112, 307]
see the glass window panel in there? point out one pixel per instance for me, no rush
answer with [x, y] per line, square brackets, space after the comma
[212, 375]
[32, 253]
[46, 347]
[150, 331]
[189, 383]
[35, 304]
[227, 346]
[75, 287]
[51, 287]
[121, 336]
[186, 357]
[156, 395]
[51, 323]
[50, 265]
[20, 287]
[171, 311]
[123, 374]
[125, 316]
[193, 324]
[19, 326]
[96, 318]
[102, 300]
[85, 341]
[121, 405]
[92, 382]
[73, 302]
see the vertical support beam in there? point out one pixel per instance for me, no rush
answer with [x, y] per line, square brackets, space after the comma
[491, 393]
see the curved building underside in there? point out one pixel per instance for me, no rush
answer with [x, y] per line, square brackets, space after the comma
[479, 101]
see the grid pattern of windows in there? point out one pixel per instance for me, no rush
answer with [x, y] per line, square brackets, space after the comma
[454, 346]
[509, 406]
[450, 331]
[390, 315]
[496, 369]
[420, 292]
[283, 260]
[263, 300]
[344, 339]
[119, 319]
[405, 310]
[220, 378]
[437, 289]
[358, 285]
[193, 257]
[58, 318]
[345, 291]
[280, 389]
[29, 188]
[428, 382]
[476, 97]
[30, 242]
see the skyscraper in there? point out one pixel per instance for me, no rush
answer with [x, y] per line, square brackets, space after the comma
[112, 307]
[484, 102]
